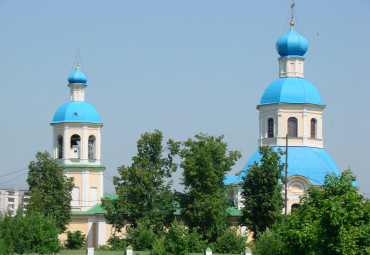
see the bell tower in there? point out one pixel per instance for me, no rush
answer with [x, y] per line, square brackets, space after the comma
[77, 144]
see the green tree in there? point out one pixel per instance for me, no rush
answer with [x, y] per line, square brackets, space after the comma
[142, 190]
[28, 234]
[50, 190]
[332, 220]
[263, 201]
[205, 163]
[75, 240]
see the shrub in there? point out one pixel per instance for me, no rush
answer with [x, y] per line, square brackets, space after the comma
[230, 242]
[75, 240]
[34, 233]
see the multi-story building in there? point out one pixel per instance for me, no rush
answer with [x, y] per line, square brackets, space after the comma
[11, 201]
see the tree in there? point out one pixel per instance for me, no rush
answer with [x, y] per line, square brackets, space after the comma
[50, 190]
[205, 163]
[28, 234]
[263, 201]
[331, 220]
[142, 190]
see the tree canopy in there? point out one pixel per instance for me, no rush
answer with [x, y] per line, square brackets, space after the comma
[206, 160]
[263, 201]
[332, 220]
[142, 189]
[50, 190]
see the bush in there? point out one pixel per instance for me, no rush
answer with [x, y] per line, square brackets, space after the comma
[159, 247]
[75, 240]
[34, 233]
[267, 243]
[117, 244]
[179, 241]
[230, 242]
[142, 237]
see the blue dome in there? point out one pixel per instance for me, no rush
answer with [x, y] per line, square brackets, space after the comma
[76, 111]
[291, 90]
[311, 163]
[77, 77]
[291, 44]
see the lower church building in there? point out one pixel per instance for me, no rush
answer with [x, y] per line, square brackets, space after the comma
[291, 106]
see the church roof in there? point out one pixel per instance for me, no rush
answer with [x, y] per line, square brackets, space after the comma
[76, 111]
[291, 90]
[312, 163]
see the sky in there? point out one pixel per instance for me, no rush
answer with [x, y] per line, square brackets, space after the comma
[182, 67]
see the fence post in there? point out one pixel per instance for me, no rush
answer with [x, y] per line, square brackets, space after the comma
[90, 251]
[129, 250]
[208, 251]
[247, 251]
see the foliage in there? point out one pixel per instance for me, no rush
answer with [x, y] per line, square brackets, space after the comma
[50, 190]
[115, 243]
[230, 242]
[75, 240]
[180, 241]
[141, 188]
[263, 201]
[205, 163]
[142, 236]
[34, 233]
[159, 247]
[268, 243]
[334, 220]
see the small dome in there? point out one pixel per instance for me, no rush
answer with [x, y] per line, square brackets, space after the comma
[77, 77]
[291, 90]
[76, 111]
[291, 44]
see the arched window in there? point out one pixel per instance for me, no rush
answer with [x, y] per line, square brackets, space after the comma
[292, 127]
[60, 146]
[313, 128]
[92, 147]
[75, 146]
[294, 207]
[270, 127]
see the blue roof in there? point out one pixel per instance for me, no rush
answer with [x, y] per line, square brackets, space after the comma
[312, 163]
[77, 77]
[76, 111]
[291, 90]
[291, 44]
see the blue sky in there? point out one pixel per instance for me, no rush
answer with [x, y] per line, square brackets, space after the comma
[182, 67]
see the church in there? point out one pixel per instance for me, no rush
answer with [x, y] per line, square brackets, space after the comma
[290, 106]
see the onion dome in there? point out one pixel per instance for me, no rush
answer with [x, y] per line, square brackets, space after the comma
[77, 77]
[291, 44]
[76, 112]
[291, 90]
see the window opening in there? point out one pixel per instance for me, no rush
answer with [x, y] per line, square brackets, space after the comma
[60, 146]
[75, 146]
[270, 131]
[294, 207]
[313, 128]
[292, 127]
[92, 149]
